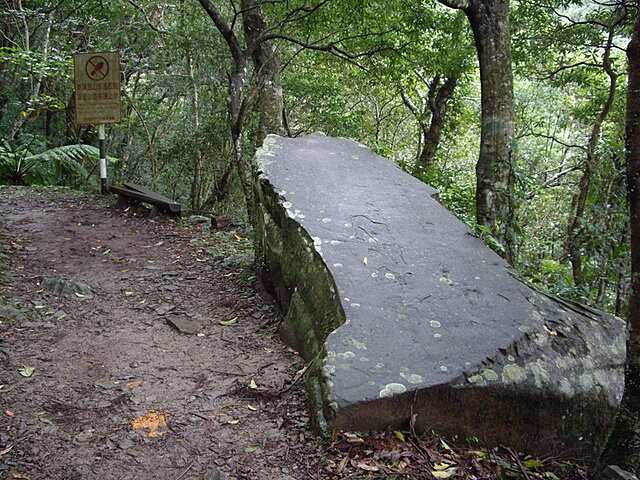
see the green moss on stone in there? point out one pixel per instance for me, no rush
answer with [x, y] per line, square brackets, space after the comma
[513, 373]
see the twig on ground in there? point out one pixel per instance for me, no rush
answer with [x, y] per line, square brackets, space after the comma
[516, 457]
[185, 471]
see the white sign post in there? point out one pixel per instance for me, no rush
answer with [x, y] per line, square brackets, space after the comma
[98, 98]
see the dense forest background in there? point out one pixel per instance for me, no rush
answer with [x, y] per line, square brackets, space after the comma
[202, 84]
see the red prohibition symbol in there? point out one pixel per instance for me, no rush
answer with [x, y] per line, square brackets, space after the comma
[97, 68]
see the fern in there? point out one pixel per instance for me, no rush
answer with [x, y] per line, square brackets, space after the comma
[60, 161]
[55, 166]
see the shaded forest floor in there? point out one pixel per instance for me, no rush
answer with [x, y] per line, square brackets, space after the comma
[133, 347]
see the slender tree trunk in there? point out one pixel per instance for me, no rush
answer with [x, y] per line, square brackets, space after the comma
[238, 100]
[623, 446]
[37, 84]
[573, 242]
[197, 182]
[436, 101]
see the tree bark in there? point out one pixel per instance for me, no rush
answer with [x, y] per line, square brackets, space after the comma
[197, 180]
[495, 169]
[623, 445]
[267, 72]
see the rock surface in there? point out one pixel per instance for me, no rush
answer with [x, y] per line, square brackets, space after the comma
[184, 324]
[613, 472]
[405, 316]
[66, 288]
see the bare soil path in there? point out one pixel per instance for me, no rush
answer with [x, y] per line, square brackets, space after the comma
[101, 384]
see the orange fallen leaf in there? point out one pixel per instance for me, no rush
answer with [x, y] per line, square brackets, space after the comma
[153, 421]
[134, 384]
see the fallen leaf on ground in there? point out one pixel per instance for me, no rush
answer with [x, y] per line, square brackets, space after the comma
[26, 371]
[154, 421]
[532, 463]
[443, 473]
[369, 467]
[6, 450]
[353, 438]
[229, 322]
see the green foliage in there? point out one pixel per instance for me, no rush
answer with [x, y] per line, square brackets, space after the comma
[19, 165]
[558, 148]
[455, 192]
[26, 67]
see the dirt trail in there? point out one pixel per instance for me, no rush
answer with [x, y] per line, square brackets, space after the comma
[80, 372]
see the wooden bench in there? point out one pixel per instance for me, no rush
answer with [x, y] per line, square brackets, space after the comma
[132, 192]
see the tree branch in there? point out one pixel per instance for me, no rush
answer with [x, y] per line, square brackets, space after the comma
[141, 10]
[226, 31]
[331, 47]
[556, 140]
[569, 67]
[550, 183]
[457, 4]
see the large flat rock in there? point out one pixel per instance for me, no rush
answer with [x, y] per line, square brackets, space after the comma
[406, 315]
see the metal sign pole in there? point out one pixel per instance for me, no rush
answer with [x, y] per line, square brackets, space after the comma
[103, 160]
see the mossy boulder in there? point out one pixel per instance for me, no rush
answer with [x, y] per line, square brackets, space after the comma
[406, 316]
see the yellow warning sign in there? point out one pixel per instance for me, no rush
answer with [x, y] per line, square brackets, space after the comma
[97, 82]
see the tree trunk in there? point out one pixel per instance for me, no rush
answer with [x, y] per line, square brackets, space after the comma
[267, 72]
[198, 166]
[437, 100]
[495, 169]
[37, 84]
[573, 242]
[238, 101]
[623, 445]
